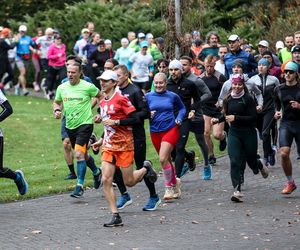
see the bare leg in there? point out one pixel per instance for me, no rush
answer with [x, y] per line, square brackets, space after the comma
[108, 171]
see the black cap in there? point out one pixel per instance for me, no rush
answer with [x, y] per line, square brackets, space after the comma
[295, 48]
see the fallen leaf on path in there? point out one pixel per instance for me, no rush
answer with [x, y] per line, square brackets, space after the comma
[36, 232]
[195, 222]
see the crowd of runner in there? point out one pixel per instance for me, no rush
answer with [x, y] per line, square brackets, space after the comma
[227, 91]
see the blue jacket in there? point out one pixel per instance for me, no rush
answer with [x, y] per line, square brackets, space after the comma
[246, 57]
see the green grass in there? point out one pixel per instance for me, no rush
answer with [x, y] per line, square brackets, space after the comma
[33, 144]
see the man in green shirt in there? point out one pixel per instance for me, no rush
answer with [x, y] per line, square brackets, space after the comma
[75, 97]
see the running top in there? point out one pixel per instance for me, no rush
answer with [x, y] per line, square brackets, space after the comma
[23, 46]
[164, 105]
[283, 95]
[244, 110]
[77, 102]
[117, 138]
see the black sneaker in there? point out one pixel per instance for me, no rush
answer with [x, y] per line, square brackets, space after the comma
[116, 221]
[78, 192]
[97, 179]
[191, 160]
[93, 139]
[223, 144]
[151, 174]
[212, 160]
[70, 176]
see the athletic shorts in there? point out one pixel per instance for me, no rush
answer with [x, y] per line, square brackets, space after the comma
[211, 111]
[22, 63]
[171, 136]
[142, 85]
[288, 131]
[80, 135]
[63, 130]
[121, 159]
[197, 126]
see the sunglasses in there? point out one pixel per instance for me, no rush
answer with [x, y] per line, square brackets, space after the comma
[289, 71]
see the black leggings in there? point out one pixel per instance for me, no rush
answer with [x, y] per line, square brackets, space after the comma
[139, 158]
[52, 74]
[184, 130]
[5, 172]
[265, 122]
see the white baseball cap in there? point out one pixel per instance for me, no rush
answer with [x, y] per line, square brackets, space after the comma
[22, 28]
[108, 75]
[264, 43]
[233, 38]
[279, 45]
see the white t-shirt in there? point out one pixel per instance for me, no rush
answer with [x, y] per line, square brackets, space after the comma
[220, 67]
[140, 66]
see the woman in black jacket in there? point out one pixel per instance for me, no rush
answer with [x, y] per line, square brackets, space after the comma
[240, 112]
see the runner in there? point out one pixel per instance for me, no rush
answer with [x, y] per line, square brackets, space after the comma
[240, 112]
[17, 175]
[118, 114]
[189, 95]
[75, 97]
[197, 124]
[287, 101]
[137, 98]
[164, 130]
[214, 81]
[266, 84]
[68, 152]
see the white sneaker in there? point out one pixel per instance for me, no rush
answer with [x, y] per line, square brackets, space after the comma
[36, 87]
[169, 194]
[25, 92]
[237, 196]
[177, 189]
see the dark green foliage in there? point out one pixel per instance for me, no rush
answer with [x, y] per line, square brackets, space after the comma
[111, 21]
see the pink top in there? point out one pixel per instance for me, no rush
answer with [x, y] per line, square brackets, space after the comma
[53, 55]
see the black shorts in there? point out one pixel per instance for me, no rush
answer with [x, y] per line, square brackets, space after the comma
[142, 85]
[288, 131]
[211, 111]
[197, 126]
[80, 135]
[63, 129]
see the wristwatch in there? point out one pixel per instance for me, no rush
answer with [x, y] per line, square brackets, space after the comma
[116, 122]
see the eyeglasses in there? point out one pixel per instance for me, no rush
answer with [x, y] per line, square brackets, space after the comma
[289, 71]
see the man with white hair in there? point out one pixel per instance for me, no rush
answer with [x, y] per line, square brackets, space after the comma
[187, 91]
[44, 42]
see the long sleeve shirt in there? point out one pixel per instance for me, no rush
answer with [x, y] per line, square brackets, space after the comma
[164, 105]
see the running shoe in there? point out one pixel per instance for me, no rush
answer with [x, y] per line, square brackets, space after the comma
[153, 203]
[93, 139]
[17, 90]
[185, 169]
[298, 157]
[223, 144]
[116, 221]
[21, 183]
[212, 160]
[169, 194]
[36, 87]
[237, 196]
[264, 171]
[191, 160]
[266, 161]
[70, 176]
[177, 189]
[272, 158]
[97, 179]
[151, 174]
[207, 171]
[78, 192]
[289, 187]
[25, 92]
[124, 201]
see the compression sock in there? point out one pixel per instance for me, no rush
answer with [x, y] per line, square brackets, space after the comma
[169, 175]
[91, 164]
[81, 170]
